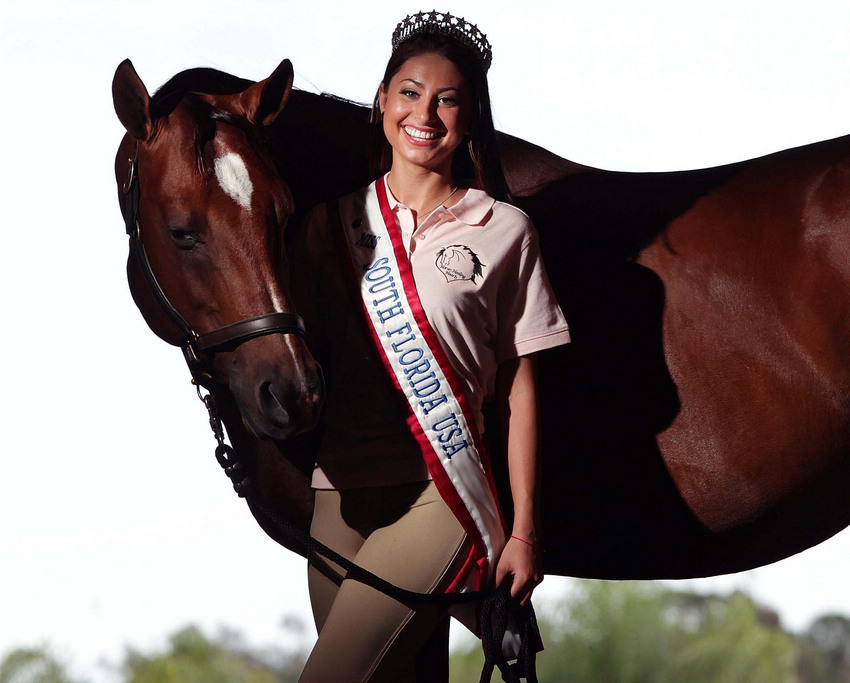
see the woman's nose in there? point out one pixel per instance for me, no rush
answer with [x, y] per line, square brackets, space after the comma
[425, 110]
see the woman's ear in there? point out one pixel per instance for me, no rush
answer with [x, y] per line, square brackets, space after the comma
[382, 98]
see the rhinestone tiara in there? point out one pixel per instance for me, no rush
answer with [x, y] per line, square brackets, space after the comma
[445, 24]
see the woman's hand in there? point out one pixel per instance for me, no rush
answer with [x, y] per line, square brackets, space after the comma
[522, 560]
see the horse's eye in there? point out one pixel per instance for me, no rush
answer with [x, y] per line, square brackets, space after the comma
[184, 239]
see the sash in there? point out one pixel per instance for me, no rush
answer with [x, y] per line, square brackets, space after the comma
[438, 413]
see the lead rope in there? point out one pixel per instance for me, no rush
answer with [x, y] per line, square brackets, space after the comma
[496, 604]
[495, 614]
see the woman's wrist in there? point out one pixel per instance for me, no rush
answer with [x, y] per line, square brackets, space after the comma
[532, 544]
[524, 528]
[527, 533]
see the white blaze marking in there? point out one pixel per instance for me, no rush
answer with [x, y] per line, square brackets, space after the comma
[233, 177]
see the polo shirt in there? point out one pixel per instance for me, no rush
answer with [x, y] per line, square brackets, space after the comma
[483, 287]
[484, 290]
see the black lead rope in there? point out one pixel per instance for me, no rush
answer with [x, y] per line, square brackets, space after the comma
[497, 605]
[496, 611]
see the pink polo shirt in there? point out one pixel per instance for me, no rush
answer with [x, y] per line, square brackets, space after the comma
[484, 290]
[483, 287]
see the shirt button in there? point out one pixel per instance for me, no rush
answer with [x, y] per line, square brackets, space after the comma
[420, 237]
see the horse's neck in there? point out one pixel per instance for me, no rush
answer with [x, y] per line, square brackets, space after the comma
[529, 168]
[321, 146]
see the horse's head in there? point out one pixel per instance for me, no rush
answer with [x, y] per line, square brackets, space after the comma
[211, 214]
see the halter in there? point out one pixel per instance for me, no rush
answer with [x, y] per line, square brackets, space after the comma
[195, 345]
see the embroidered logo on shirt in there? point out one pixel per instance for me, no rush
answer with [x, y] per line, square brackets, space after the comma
[459, 262]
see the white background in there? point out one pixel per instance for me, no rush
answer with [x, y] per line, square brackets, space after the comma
[116, 525]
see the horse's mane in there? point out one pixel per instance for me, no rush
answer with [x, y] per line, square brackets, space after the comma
[204, 80]
[195, 81]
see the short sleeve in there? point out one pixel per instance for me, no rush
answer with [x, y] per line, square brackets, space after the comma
[529, 317]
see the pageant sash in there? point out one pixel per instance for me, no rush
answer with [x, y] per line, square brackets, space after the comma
[438, 414]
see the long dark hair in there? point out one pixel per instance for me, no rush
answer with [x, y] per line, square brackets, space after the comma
[476, 164]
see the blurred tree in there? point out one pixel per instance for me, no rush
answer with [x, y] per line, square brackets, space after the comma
[636, 632]
[825, 651]
[193, 658]
[736, 642]
[602, 632]
[32, 665]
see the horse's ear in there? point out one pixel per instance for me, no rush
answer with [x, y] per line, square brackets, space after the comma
[132, 102]
[263, 101]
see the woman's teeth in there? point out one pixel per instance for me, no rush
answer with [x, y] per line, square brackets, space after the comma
[419, 134]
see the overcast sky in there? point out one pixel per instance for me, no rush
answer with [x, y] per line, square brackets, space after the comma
[117, 525]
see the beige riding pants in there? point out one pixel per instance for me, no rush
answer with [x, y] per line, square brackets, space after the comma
[407, 535]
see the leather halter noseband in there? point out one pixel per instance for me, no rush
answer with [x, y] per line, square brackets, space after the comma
[194, 345]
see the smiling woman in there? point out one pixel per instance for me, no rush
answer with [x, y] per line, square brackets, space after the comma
[447, 119]
[455, 303]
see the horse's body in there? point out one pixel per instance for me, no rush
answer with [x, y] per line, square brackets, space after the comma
[698, 424]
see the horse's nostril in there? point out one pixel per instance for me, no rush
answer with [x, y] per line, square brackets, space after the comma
[274, 391]
[273, 403]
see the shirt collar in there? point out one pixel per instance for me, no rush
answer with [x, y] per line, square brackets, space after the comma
[473, 208]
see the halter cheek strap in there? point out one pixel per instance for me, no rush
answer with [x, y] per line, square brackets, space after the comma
[195, 345]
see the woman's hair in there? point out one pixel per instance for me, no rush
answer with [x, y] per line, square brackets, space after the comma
[478, 163]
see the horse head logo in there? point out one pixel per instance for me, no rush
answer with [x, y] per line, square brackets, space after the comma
[459, 262]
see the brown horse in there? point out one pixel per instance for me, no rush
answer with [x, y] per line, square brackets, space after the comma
[211, 216]
[699, 422]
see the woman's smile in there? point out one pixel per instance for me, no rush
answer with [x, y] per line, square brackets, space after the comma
[419, 136]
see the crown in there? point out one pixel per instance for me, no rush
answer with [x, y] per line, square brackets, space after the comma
[445, 24]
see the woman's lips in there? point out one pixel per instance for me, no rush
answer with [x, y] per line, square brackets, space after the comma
[421, 137]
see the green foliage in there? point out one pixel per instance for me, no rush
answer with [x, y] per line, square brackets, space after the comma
[193, 658]
[626, 632]
[735, 645]
[608, 632]
[602, 632]
[32, 665]
[825, 651]
[465, 664]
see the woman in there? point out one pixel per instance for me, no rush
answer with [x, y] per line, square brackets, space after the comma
[426, 297]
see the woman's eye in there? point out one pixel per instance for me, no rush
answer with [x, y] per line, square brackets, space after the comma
[409, 93]
[448, 101]
[184, 239]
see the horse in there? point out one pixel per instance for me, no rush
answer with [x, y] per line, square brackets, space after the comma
[210, 233]
[698, 424]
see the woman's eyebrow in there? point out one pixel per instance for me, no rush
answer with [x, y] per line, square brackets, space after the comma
[419, 85]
